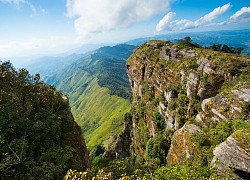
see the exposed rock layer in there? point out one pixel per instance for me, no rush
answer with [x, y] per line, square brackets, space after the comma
[174, 85]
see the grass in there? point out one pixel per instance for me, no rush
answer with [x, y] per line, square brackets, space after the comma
[100, 114]
[99, 92]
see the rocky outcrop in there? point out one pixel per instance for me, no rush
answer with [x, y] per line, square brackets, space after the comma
[77, 141]
[124, 140]
[181, 147]
[226, 106]
[234, 153]
[176, 86]
[120, 145]
[175, 80]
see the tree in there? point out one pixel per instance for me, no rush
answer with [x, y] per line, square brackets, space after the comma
[226, 48]
[187, 39]
[38, 135]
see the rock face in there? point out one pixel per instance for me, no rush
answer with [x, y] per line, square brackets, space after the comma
[234, 153]
[181, 146]
[77, 141]
[175, 87]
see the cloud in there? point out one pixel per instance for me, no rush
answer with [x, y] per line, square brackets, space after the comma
[97, 16]
[27, 3]
[15, 46]
[243, 15]
[35, 46]
[167, 24]
[13, 1]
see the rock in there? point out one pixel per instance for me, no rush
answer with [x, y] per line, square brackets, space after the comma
[164, 54]
[175, 53]
[181, 147]
[218, 114]
[123, 142]
[169, 90]
[192, 84]
[169, 119]
[233, 153]
[204, 66]
[188, 54]
[204, 104]
[223, 106]
[243, 94]
[169, 95]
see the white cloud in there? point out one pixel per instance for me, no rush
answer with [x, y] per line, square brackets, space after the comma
[243, 15]
[16, 47]
[27, 3]
[167, 24]
[36, 46]
[13, 1]
[97, 16]
[213, 15]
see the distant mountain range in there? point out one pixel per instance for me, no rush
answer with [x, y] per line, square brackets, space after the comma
[235, 38]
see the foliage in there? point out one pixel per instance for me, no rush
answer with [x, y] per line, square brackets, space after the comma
[183, 171]
[225, 48]
[159, 120]
[157, 149]
[99, 92]
[35, 125]
[186, 42]
[99, 114]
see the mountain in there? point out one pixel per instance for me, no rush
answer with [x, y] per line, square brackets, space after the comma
[38, 135]
[234, 38]
[48, 65]
[190, 116]
[99, 92]
[187, 101]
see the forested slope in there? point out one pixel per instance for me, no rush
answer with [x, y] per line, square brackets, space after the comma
[38, 134]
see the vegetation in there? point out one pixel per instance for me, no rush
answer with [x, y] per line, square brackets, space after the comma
[36, 121]
[36, 128]
[99, 93]
[186, 42]
[225, 48]
[99, 114]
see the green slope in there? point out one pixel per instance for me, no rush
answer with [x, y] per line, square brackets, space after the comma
[99, 91]
[99, 114]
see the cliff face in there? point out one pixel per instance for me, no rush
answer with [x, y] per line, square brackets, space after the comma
[179, 90]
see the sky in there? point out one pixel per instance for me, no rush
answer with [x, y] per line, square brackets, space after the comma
[43, 27]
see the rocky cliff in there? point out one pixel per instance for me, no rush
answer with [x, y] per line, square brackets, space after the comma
[186, 101]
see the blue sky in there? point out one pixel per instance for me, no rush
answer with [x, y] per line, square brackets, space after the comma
[30, 27]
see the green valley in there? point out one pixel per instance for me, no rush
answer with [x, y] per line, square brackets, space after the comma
[99, 92]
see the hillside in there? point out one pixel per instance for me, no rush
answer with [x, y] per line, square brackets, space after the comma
[99, 92]
[38, 134]
[190, 115]
[187, 101]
